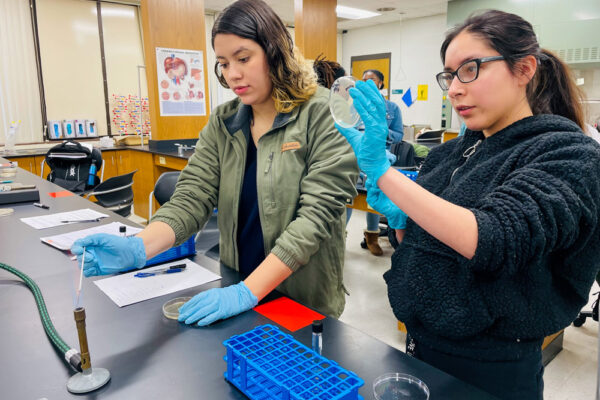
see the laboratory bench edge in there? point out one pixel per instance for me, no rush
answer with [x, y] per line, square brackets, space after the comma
[148, 355]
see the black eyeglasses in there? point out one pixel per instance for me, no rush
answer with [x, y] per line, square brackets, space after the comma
[466, 72]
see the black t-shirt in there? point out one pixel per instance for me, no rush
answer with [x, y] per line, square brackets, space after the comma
[249, 234]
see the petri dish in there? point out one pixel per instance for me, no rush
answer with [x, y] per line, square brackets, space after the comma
[171, 307]
[396, 386]
[341, 103]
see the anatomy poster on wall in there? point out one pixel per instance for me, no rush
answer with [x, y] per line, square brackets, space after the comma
[181, 86]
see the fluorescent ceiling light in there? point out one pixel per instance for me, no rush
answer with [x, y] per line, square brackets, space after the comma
[354, 13]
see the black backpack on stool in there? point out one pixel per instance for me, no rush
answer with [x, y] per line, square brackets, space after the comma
[70, 164]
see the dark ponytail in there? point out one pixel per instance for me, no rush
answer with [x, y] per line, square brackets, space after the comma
[552, 89]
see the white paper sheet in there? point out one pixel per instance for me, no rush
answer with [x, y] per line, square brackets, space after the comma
[126, 289]
[50, 220]
[65, 241]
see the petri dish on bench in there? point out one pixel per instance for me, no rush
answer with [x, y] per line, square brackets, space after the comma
[171, 307]
[396, 386]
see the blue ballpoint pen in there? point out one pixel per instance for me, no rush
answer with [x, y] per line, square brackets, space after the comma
[171, 270]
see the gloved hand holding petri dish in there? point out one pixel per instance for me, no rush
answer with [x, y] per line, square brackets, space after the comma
[341, 103]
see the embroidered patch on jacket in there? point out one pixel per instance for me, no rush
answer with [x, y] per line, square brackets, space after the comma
[290, 146]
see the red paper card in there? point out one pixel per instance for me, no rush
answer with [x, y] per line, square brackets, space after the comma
[288, 313]
[64, 193]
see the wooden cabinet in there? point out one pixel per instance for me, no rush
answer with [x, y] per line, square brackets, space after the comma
[38, 164]
[27, 163]
[143, 180]
[111, 163]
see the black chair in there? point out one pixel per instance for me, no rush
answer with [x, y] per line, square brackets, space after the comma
[207, 239]
[115, 194]
[163, 190]
[593, 314]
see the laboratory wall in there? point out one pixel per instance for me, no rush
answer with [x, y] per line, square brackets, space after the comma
[415, 46]
[569, 28]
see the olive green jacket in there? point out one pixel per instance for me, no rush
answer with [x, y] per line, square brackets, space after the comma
[305, 175]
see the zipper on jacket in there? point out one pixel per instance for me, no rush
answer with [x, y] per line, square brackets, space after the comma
[240, 179]
[267, 170]
[466, 155]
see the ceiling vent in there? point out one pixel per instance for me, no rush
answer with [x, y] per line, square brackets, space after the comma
[579, 55]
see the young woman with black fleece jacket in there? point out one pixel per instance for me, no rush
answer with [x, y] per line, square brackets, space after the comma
[502, 238]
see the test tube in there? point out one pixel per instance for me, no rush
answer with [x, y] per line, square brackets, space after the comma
[123, 230]
[317, 336]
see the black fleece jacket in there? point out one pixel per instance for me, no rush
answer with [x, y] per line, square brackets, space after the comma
[534, 188]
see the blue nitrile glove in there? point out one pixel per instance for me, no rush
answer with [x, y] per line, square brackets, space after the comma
[382, 204]
[391, 157]
[106, 254]
[369, 146]
[214, 304]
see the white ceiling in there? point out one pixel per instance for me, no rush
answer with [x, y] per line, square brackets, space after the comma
[404, 9]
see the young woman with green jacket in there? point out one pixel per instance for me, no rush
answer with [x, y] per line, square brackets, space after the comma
[276, 168]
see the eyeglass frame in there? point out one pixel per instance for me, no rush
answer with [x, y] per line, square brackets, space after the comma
[478, 62]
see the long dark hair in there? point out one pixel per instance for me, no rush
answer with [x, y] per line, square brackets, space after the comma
[552, 89]
[293, 79]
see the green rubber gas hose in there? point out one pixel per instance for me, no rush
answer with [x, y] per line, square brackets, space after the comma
[71, 355]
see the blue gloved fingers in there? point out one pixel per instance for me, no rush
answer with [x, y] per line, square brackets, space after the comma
[90, 266]
[206, 308]
[209, 319]
[375, 123]
[195, 310]
[371, 92]
[353, 136]
[76, 248]
[371, 97]
[97, 239]
[191, 303]
[362, 106]
[390, 156]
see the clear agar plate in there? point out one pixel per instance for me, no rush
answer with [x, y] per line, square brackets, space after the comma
[341, 103]
[395, 386]
[171, 307]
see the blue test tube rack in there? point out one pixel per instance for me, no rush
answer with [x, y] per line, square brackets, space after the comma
[185, 249]
[412, 175]
[266, 364]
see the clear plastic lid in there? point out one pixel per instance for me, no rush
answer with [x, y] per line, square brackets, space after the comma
[341, 103]
[171, 307]
[395, 386]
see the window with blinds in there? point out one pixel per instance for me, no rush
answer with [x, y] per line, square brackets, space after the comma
[19, 89]
[70, 39]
